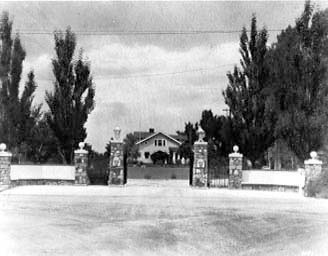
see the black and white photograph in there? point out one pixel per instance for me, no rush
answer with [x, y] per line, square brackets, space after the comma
[170, 128]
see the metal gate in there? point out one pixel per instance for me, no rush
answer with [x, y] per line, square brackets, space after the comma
[125, 167]
[218, 174]
[98, 169]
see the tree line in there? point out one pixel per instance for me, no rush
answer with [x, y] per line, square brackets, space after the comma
[29, 131]
[278, 92]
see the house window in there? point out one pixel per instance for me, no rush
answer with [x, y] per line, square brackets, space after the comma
[146, 155]
[160, 143]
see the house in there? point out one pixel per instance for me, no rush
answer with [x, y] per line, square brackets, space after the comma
[151, 142]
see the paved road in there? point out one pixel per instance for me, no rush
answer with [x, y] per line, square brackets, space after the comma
[159, 218]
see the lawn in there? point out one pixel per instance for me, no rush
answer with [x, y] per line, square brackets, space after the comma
[159, 218]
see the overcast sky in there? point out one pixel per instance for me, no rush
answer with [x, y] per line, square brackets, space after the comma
[143, 81]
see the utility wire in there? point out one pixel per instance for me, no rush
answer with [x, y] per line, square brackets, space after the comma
[164, 74]
[153, 74]
[128, 33]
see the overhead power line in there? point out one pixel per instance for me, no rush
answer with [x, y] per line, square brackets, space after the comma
[155, 74]
[164, 74]
[131, 33]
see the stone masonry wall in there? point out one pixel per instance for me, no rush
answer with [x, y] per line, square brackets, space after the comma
[116, 168]
[41, 182]
[313, 169]
[5, 170]
[81, 165]
[280, 188]
[200, 167]
[235, 169]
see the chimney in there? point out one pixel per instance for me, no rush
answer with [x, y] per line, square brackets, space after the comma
[151, 130]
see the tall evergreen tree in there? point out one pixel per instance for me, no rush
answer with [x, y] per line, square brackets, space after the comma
[130, 147]
[218, 132]
[18, 115]
[73, 97]
[297, 103]
[190, 133]
[245, 94]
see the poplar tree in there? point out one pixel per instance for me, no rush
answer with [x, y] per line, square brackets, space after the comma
[297, 103]
[18, 116]
[245, 95]
[72, 99]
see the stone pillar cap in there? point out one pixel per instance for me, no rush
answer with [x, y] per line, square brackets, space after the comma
[117, 134]
[235, 153]
[81, 150]
[201, 134]
[313, 159]
[200, 142]
[2, 150]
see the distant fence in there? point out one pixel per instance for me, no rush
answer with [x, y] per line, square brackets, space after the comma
[179, 173]
[42, 174]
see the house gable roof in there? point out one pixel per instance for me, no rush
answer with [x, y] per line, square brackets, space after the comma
[155, 134]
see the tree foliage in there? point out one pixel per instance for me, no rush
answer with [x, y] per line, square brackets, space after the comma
[73, 97]
[245, 94]
[17, 114]
[297, 101]
[218, 132]
[159, 156]
[190, 132]
[130, 147]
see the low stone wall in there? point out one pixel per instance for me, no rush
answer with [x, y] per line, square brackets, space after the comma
[42, 172]
[41, 182]
[22, 175]
[265, 187]
[15, 175]
[273, 180]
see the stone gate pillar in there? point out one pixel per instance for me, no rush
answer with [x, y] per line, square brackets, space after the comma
[235, 168]
[313, 168]
[200, 176]
[5, 161]
[81, 165]
[116, 166]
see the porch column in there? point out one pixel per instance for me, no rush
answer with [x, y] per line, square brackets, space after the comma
[5, 161]
[174, 157]
[313, 168]
[200, 167]
[81, 165]
[116, 167]
[235, 168]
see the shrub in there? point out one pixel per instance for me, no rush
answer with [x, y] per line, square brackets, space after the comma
[319, 186]
[173, 176]
[160, 157]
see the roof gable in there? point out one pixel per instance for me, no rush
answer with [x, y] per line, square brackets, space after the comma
[156, 134]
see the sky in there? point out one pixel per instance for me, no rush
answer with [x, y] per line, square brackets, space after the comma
[146, 81]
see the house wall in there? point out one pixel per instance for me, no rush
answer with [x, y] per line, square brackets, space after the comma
[149, 146]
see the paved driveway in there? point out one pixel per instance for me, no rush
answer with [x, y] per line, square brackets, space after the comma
[159, 218]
